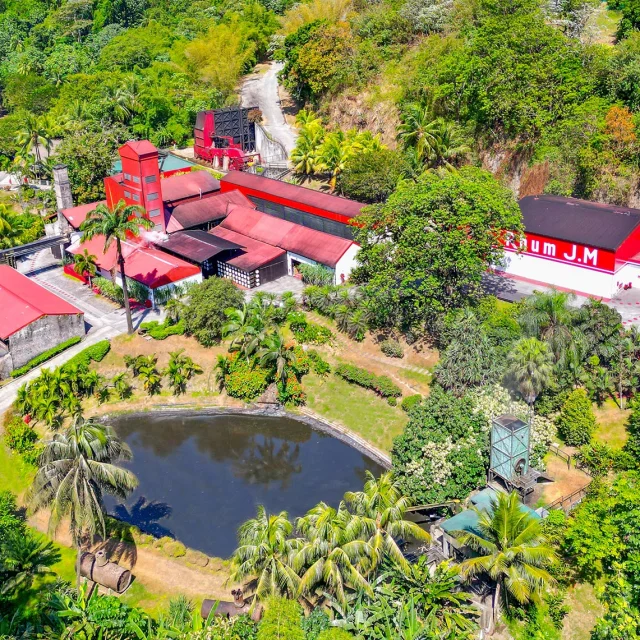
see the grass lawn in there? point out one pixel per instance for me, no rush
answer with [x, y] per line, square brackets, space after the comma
[605, 21]
[584, 609]
[357, 409]
[15, 475]
[611, 421]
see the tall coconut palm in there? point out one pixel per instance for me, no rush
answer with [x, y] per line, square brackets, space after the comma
[418, 130]
[277, 353]
[26, 556]
[264, 554]
[548, 316]
[531, 368]
[116, 224]
[32, 135]
[448, 147]
[85, 263]
[381, 510]
[511, 550]
[77, 468]
[6, 220]
[331, 556]
[334, 153]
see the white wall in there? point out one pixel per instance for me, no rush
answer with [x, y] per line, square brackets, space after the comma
[298, 258]
[628, 274]
[567, 276]
[347, 263]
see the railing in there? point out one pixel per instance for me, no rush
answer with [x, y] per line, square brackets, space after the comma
[556, 450]
[566, 503]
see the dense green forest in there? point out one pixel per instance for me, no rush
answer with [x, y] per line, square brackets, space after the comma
[545, 95]
[93, 74]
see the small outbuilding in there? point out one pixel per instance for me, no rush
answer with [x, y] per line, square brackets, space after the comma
[32, 320]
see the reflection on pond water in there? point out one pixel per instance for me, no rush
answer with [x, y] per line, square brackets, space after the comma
[201, 476]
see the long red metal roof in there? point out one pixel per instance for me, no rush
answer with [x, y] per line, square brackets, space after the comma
[22, 301]
[294, 195]
[310, 243]
[194, 184]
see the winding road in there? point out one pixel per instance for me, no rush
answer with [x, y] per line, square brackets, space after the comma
[261, 89]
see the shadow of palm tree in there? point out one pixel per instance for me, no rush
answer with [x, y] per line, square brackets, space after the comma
[145, 515]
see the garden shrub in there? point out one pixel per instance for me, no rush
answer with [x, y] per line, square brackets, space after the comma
[161, 331]
[599, 459]
[10, 521]
[109, 290]
[44, 356]
[311, 333]
[19, 436]
[244, 380]
[316, 274]
[291, 392]
[392, 349]
[297, 321]
[303, 364]
[410, 401]
[282, 620]
[320, 366]
[174, 549]
[95, 353]
[382, 385]
[576, 422]
[335, 633]
[315, 623]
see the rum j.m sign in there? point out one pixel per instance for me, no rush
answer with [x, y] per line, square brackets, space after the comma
[563, 251]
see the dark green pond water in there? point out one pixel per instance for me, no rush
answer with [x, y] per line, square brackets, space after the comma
[201, 476]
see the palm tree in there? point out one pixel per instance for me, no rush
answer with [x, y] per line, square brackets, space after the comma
[334, 153]
[151, 379]
[76, 468]
[381, 508]
[448, 147]
[305, 154]
[331, 555]
[222, 370]
[264, 554]
[116, 224]
[180, 369]
[277, 353]
[531, 368]
[511, 550]
[6, 222]
[548, 316]
[25, 557]
[85, 262]
[32, 136]
[121, 385]
[174, 309]
[247, 326]
[419, 130]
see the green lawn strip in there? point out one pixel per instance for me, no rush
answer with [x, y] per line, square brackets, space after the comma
[584, 610]
[611, 421]
[15, 474]
[356, 408]
[137, 595]
[415, 376]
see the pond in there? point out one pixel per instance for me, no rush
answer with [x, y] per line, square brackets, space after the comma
[202, 475]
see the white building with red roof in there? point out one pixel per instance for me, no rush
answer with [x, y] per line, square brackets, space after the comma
[32, 320]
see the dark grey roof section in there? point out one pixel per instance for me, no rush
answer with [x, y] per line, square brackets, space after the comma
[593, 224]
[196, 246]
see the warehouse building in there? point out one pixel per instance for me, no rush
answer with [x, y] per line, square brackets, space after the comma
[586, 247]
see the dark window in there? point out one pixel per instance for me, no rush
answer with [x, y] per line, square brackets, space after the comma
[136, 179]
[127, 176]
[154, 212]
[152, 196]
[150, 179]
[136, 197]
[127, 194]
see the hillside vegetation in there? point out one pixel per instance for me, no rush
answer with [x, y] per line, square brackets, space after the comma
[543, 94]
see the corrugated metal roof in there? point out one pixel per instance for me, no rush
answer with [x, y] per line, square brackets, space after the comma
[310, 243]
[22, 301]
[589, 223]
[196, 245]
[77, 215]
[255, 254]
[198, 212]
[188, 185]
[300, 195]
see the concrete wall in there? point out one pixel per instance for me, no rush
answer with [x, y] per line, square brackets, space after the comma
[347, 263]
[43, 334]
[560, 274]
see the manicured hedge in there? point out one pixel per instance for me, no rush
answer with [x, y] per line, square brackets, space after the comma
[411, 401]
[44, 356]
[382, 385]
[96, 352]
[320, 366]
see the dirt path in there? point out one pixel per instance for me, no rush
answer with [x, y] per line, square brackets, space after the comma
[158, 573]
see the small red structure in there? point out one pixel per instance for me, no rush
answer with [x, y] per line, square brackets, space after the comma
[226, 138]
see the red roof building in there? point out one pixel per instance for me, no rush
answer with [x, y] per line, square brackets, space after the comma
[22, 301]
[77, 215]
